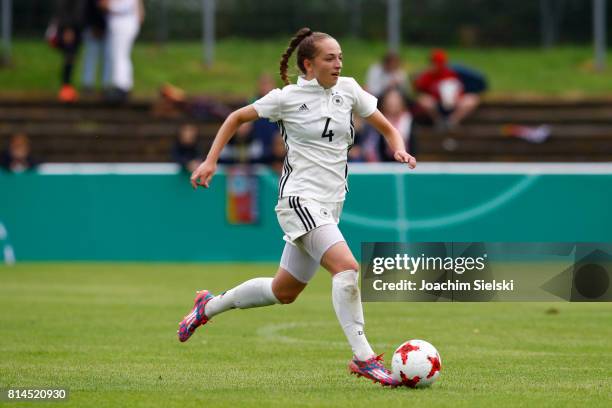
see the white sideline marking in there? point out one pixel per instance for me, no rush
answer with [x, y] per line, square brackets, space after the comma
[354, 168]
[482, 168]
[273, 332]
[123, 168]
[107, 168]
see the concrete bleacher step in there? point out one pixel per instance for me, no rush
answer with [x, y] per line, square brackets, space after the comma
[91, 131]
[493, 131]
[515, 147]
[559, 115]
[59, 130]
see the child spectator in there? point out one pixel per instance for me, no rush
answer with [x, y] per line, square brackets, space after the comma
[394, 106]
[242, 148]
[18, 158]
[356, 154]
[186, 150]
[279, 152]
[262, 131]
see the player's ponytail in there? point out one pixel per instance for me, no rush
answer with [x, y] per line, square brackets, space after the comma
[293, 44]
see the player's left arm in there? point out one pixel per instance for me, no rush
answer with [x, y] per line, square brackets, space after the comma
[393, 138]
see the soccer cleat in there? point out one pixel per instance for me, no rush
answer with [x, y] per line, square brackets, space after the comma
[374, 369]
[196, 317]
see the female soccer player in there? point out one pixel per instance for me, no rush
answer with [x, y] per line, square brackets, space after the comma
[314, 117]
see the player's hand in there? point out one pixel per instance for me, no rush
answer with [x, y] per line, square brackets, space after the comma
[203, 174]
[403, 157]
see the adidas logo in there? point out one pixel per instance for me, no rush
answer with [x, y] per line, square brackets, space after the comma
[303, 108]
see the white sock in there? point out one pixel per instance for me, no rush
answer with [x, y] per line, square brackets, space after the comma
[347, 303]
[252, 293]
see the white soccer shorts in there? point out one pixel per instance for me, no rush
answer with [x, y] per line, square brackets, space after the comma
[297, 216]
[311, 228]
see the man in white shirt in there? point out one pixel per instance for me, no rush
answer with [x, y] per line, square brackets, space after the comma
[386, 74]
[124, 19]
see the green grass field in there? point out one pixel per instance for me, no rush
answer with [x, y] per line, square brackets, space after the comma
[564, 71]
[107, 332]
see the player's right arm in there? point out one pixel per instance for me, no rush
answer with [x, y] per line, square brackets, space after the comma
[205, 171]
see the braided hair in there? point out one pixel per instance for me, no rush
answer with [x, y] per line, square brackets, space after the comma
[305, 41]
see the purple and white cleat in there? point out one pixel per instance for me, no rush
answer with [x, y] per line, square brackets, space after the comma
[374, 369]
[196, 317]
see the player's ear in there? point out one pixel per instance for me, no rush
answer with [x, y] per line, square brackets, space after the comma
[308, 65]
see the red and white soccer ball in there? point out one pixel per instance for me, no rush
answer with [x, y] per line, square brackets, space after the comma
[416, 364]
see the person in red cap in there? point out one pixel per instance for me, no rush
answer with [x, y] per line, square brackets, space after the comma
[441, 93]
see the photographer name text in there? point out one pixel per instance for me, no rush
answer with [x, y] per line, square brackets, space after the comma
[477, 285]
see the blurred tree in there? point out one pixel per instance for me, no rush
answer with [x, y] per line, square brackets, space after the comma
[431, 22]
[551, 14]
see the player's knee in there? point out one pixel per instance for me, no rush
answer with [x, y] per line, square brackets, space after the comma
[347, 264]
[352, 265]
[286, 297]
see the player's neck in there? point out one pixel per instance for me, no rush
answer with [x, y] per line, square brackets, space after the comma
[311, 77]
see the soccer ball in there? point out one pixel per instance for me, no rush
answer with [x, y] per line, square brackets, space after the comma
[416, 363]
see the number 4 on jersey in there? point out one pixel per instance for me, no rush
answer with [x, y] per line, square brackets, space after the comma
[329, 134]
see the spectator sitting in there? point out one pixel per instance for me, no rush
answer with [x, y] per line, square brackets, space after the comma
[473, 81]
[443, 95]
[394, 106]
[386, 74]
[174, 102]
[356, 152]
[242, 148]
[262, 131]
[278, 154]
[265, 83]
[17, 158]
[256, 142]
[186, 150]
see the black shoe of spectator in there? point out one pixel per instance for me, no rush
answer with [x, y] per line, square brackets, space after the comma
[115, 96]
[88, 92]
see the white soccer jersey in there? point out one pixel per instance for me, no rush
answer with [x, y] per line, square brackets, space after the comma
[316, 125]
